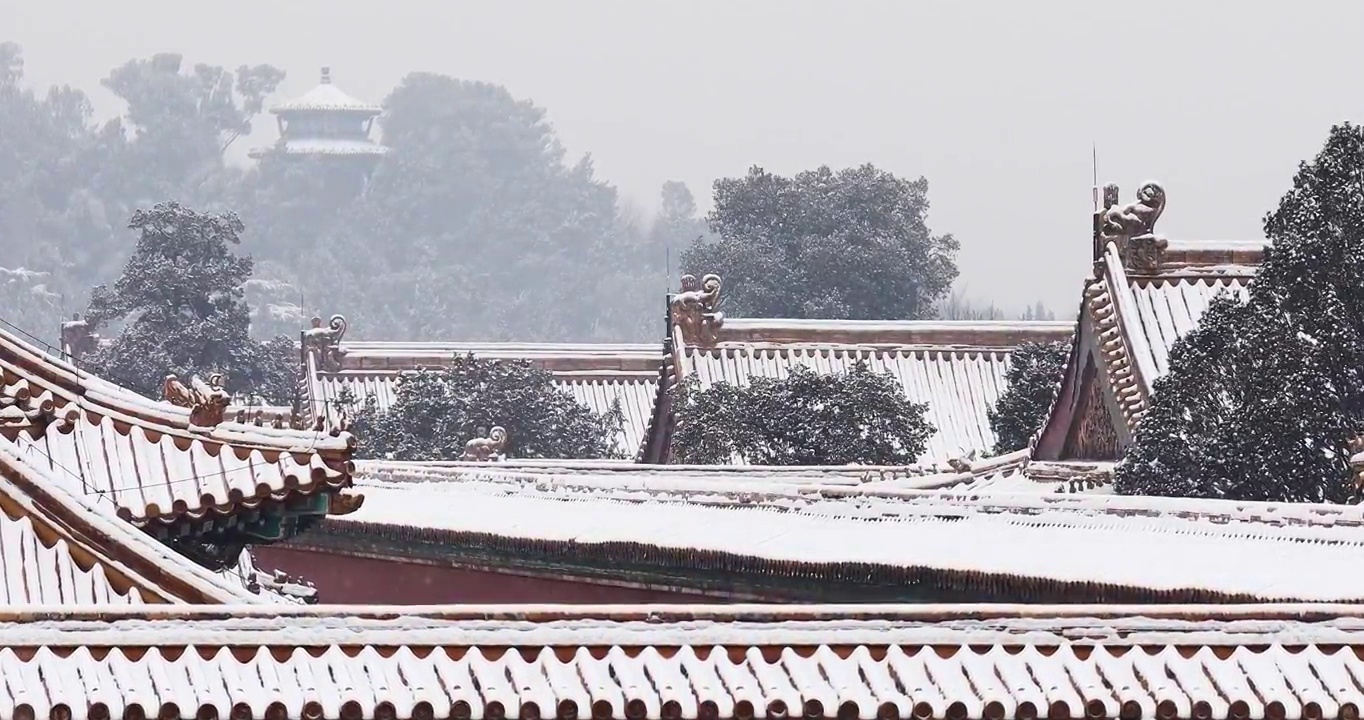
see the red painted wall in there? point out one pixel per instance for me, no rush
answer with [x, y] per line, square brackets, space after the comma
[346, 580]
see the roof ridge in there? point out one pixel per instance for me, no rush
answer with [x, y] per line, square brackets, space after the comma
[919, 501]
[58, 399]
[71, 385]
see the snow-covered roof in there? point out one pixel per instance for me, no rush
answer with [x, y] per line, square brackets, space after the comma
[596, 375]
[678, 662]
[956, 368]
[328, 146]
[1151, 313]
[1135, 314]
[326, 97]
[817, 527]
[145, 456]
[58, 547]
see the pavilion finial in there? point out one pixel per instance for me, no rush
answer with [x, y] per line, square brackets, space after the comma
[326, 75]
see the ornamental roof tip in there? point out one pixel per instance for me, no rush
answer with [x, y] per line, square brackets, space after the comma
[1131, 228]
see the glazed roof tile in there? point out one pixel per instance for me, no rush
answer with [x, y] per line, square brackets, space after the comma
[58, 548]
[680, 663]
[146, 456]
[806, 525]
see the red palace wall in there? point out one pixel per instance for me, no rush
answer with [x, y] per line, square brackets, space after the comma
[347, 579]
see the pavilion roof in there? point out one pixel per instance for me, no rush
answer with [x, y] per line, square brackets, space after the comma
[326, 97]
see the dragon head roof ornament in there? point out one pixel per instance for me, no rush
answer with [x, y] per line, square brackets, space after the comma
[695, 310]
[485, 449]
[207, 400]
[1132, 227]
[325, 342]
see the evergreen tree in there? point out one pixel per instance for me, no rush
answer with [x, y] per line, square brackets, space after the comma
[805, 418]
[437, 411]
[851, 244]
[181, 300]
[1263, 399]
[1034, 375]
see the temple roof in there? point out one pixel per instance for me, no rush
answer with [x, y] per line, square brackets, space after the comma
[956, 368]
[59, 548]
[1135, 307]
[146, 457]
[684, 662]
[855, 536]
[326, 97]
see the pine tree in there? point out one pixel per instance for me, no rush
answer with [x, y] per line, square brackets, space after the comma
[805, 418]
[1034, 375]
[1263, 399]
[180, 299]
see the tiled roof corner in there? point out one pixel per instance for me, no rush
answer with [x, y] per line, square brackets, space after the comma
[60, 549]
[148, 457]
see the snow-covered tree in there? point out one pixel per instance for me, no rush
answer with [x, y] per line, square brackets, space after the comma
[805, 418]
[437, 411]
[1034, 375]
[851, 244]
[1263, 399]
[180, 300]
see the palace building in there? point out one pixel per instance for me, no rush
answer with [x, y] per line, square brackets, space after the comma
[131, 530]
[325, 123]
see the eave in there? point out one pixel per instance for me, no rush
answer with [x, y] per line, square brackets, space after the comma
[687, 662]
[155, 465]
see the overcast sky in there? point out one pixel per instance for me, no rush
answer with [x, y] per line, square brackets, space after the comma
[996, 103]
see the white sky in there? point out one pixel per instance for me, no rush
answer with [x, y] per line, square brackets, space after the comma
[997, 103]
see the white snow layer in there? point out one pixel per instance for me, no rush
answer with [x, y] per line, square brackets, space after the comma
[1264, 550]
